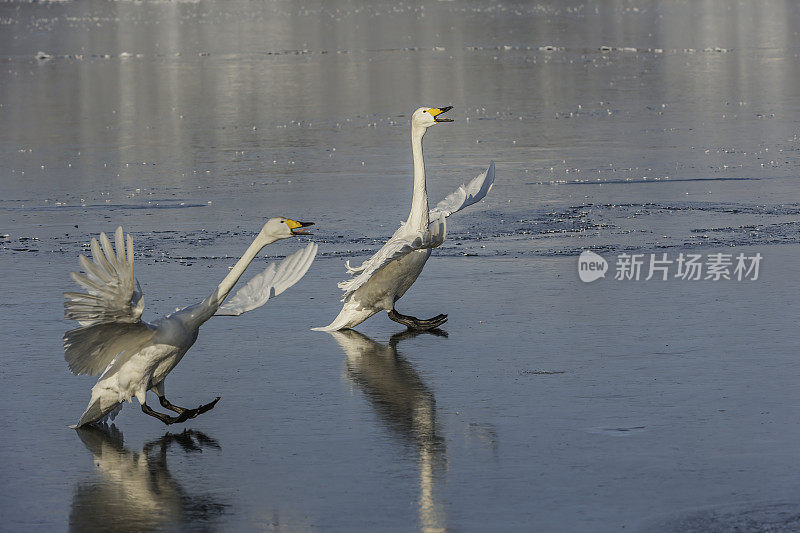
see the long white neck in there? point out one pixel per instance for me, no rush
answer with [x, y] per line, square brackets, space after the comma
[224, 288]
[418, 219]
[196, 314]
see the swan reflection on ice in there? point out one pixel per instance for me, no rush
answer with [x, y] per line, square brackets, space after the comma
[135, 491]
[407, 408]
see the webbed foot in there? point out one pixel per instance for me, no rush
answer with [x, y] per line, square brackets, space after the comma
[412, 322]
[183, 413]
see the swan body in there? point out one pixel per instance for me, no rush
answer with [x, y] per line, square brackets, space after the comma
[384, 278]
[382, 290]
[134, 356]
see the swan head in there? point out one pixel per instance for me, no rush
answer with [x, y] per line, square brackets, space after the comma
[425, 117]
[283, 228]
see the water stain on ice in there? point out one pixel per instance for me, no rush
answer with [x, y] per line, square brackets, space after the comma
[774, 517]
[619, 431]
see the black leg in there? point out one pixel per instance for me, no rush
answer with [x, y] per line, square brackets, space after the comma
[412, 322]
[183, 414]
[168, 405]
[146, 409]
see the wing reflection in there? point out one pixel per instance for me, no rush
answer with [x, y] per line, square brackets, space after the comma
[135, 491]
[406, 406]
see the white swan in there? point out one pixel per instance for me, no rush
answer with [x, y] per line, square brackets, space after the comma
[135, 356]
[381, 280]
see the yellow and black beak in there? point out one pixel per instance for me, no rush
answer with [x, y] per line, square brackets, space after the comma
[298, 227]
[437, 111]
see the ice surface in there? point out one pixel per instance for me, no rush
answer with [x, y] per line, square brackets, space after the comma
[638, 127]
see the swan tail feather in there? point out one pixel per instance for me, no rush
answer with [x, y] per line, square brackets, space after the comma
[99, 410]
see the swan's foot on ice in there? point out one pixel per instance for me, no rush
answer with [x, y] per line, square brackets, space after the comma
[183, 413]
[412, 322]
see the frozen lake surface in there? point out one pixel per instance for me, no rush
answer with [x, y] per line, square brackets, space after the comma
[546, 404]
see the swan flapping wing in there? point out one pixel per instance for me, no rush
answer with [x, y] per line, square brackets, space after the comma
[112, 293]
[91, 349]
[402, 242]
[110, 310]
[465, 195]
[271, 282]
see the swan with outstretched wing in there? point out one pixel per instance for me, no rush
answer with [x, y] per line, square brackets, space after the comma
[133, 356]
[383, 279]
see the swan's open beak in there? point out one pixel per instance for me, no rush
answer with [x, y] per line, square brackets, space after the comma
[298, 228]
[437, 111]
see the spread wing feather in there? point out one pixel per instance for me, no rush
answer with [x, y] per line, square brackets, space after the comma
[90, 349]
[112, 293]
[271, 282]
[466, 195]
[110, 310]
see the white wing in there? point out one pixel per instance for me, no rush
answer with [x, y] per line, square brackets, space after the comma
[402, 242]
[109, 312]
[271, 282]
[113, 294]
[465, 195]
[90, 349]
